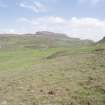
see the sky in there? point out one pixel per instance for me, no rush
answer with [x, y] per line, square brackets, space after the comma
[83, 19]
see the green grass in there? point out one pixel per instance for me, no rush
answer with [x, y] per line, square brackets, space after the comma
[27, 57]
[21, 58]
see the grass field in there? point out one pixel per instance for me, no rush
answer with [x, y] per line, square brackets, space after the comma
[52, 76]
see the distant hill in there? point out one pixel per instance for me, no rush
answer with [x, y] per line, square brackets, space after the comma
[41, 39]
[102, 40]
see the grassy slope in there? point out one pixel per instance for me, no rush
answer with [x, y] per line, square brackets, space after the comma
[55, 76]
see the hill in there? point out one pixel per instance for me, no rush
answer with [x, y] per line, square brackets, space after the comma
[46, 68]
[102, 40]
[42, 39]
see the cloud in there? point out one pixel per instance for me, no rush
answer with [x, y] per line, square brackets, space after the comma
[8, 30]
[33, 5]
[2, 5]
[84, 28]
[91, 2]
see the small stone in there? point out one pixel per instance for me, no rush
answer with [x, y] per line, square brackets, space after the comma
[51, 92]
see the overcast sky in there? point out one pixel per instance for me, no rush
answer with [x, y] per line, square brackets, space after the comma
[84, 19]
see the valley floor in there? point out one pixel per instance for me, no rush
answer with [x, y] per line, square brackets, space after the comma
[52, 77]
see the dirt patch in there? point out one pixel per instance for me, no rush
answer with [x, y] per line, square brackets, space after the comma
[100, 49]
[51, 92]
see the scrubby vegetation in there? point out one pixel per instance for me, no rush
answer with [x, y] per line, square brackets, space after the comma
[44, 71]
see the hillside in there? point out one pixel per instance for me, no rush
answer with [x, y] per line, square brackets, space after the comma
[41, 39]
[43, 69]
[102, 40]
[100, 45]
